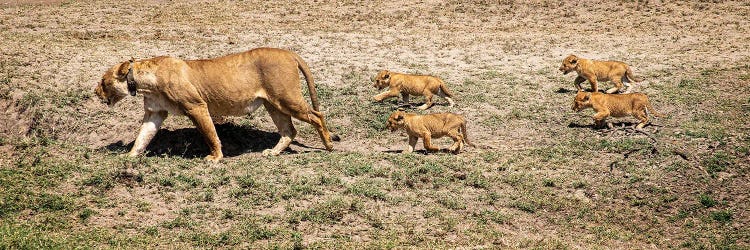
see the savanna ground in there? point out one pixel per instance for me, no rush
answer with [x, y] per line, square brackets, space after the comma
[541, 178]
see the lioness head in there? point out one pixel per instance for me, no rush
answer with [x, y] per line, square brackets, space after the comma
[569, 64]
[396, 120]
[581, 101]
[113, 87]
[383, 79]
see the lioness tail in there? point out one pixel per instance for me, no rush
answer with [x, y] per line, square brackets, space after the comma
[310, 83]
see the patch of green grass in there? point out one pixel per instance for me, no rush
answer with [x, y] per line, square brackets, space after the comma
[367, 188]
[486, 216]
[717, 162]
[330, 211]
[706, 200]
[722, 216]
[451, 201]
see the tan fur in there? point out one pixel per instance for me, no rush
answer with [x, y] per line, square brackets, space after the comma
[232, 85]
[405, 85]
[430, 126]
[615, 105]
[594, 71]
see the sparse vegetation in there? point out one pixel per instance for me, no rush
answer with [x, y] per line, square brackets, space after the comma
[541, 177]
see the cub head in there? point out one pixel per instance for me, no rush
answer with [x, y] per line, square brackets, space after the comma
[581, 101]
[569, 64]
[113, 86]
[382, 80]
[396, 120]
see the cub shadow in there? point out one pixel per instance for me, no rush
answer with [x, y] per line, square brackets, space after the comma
[615, 125]
[564, 90]
[189, 143]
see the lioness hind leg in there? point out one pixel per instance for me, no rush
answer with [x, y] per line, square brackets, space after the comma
[286, 129]
[316, 119]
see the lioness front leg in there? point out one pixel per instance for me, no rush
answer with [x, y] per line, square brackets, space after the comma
[412, 144]
[151, 123]
[387, 94]
[202, 120]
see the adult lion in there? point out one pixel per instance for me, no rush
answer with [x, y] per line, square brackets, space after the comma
[232, 85]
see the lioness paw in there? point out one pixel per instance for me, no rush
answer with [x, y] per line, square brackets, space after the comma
[271, 152]
[212, 158]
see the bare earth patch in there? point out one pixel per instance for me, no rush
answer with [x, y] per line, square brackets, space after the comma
[541, 177]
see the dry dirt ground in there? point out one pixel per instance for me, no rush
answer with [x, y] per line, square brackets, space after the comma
[541, 178]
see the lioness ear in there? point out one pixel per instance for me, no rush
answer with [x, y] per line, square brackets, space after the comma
[399, 117]
[574, 61]
[386, 76]
[588, 96]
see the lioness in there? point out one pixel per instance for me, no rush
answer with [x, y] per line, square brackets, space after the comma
[430, 126]
[232, 85]
[594, 71]
[406, 84]
[615, 105]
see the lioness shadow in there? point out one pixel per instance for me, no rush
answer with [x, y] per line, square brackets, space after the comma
[189, 143]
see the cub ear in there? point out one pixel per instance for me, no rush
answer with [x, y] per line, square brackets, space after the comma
[574, 61]
[386, 76]
[399, 117]
[588, 96]
[122, 71]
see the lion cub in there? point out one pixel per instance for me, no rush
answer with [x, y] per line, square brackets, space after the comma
[430, 126]
[405, 85]
[615, 105]
[594, 71]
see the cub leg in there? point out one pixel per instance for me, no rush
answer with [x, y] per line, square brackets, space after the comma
[458, 140]
[387, 94]
[577, 82]
[599, 118]
[412, 144]
[202, 120]
[151, 123]
[428, 143]
[593, 81]
[427, 100]
[618, 85]
[641, 115]
[447, 98]
[405, 98]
